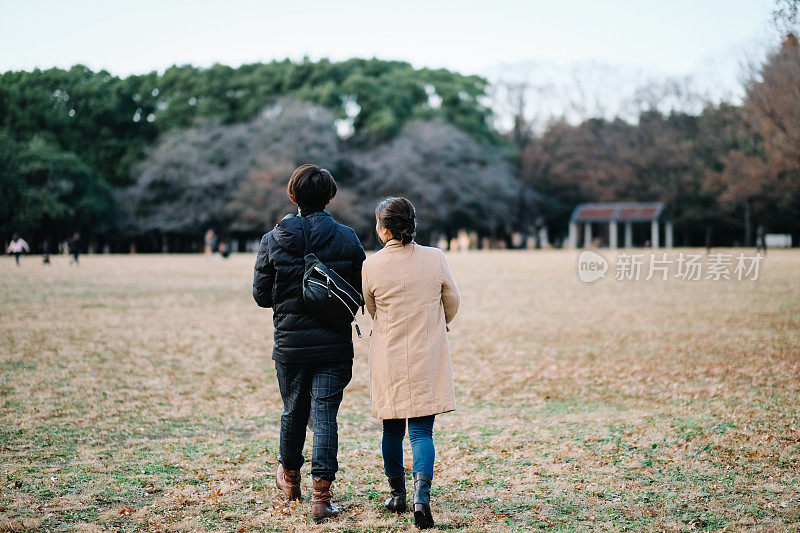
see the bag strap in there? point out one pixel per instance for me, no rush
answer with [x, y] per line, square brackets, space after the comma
[304, 224]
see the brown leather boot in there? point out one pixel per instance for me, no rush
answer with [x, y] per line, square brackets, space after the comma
[321, 506]
[289, 482]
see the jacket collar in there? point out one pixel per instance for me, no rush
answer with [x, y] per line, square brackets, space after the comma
[394, 243]
[309, 214]
[289, 231]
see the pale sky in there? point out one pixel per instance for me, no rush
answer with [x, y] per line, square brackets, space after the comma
[675, 37]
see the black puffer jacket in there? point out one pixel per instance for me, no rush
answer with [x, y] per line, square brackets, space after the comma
[277, 283]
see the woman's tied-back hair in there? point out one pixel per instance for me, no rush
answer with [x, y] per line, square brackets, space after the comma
[311, 187]
[397, 214]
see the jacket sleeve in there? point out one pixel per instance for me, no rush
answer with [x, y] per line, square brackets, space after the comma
[369, 297]
[451, 297]
[263, 276]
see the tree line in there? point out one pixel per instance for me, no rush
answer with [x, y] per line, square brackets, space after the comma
[157, 159]
[724, 171]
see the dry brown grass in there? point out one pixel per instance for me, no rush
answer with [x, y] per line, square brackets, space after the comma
[138, 393]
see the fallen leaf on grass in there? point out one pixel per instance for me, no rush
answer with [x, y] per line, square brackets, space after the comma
[280, 510]
[213, 494]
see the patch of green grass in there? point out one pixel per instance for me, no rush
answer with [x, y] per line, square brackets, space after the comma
[17, 365]
[700, 519]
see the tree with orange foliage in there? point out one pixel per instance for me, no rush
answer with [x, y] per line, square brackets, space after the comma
[766, 181]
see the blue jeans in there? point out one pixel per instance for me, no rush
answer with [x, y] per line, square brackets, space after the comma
[420, 432]
[306, 389]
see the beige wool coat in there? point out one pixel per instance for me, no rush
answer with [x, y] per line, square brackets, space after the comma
[412, 296]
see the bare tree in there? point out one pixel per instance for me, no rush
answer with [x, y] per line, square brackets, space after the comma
[454, 181]
[786, 16]
[227, 176]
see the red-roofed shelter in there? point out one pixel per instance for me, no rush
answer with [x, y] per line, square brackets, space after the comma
[614, 213]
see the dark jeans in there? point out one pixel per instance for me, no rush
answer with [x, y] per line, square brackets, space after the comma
[305, 389]
[420, 432]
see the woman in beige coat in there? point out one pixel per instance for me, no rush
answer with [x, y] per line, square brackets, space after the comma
[412, 296]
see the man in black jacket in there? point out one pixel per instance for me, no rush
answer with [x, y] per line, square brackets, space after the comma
[313, 361]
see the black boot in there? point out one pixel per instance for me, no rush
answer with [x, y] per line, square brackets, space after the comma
[422, 501]
[397, 498]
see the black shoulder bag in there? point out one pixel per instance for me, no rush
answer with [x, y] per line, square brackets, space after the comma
[326, 294]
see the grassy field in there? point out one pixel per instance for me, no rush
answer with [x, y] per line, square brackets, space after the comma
[138, 394]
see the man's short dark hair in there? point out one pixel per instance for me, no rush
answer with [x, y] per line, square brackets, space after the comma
[311, 187]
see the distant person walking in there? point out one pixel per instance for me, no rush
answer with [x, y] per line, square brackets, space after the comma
[75, 248]
[412, 295]
[210, 241]
[17, 247]
[313, 361]
[761, 240]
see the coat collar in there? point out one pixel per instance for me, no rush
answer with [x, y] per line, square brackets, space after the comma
[394, 243]
[309, 214]
[289, 231]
